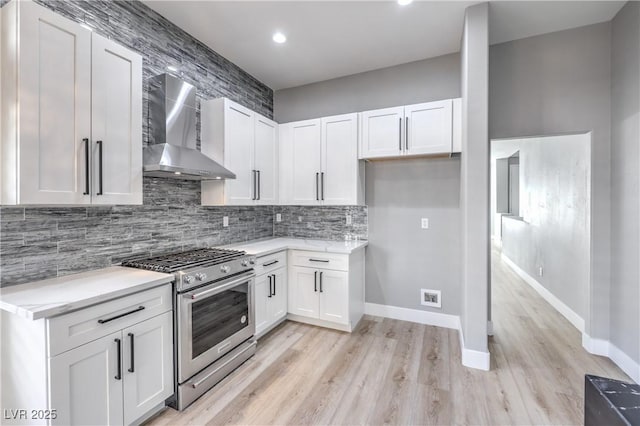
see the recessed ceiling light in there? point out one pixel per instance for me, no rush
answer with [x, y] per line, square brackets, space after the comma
[279, 37]
[404, 2]
[177, 173]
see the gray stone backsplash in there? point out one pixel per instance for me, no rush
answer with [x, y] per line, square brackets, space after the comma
[321, 222]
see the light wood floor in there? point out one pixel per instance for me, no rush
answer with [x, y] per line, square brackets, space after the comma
[396, 372]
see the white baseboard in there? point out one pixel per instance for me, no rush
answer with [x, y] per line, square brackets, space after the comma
[559, 305]
[470, 358]
[605, 348]
[413, 315]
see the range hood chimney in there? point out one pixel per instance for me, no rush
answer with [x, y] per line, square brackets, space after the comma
[172, 128]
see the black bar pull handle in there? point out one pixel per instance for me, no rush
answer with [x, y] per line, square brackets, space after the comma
[319, 260]
[322, 185]
[99, 168]
[259, 192]
[119, 349]
[270, 290]
[406, 134]
[138, 309]
[321, 282]
[315, 280]
[274, 284]
[400, 133]
[317, 190]
[270, 263]
[86, 166]
[131, 340]
[253, 179]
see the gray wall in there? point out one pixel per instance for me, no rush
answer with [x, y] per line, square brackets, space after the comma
[402, 258]
[625, 182]
[560, 83]
[554, 232]
[422, 81]
[474, 181]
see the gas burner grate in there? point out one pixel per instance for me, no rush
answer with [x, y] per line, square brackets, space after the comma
[187, 259]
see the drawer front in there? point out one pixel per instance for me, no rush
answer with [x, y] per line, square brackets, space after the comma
[320, 260]
[270, 262]
[77, 328]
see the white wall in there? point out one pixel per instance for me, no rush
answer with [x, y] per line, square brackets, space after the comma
[554, 232]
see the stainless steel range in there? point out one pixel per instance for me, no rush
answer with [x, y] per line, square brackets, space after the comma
[214, 315]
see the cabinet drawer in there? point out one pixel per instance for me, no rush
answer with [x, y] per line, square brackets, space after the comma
[320, 260]
[270, 262]
[77, 328]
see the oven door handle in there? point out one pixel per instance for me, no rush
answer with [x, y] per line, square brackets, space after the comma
[218, 289]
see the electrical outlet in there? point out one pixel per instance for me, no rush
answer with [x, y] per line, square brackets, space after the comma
[299, 218]
[348, 219]
[431, 298]
[424, 223]
[225, 221]
[278, 217]
[540, 271]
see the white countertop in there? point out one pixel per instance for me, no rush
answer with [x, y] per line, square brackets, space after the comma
[55, 296]
[272, 245]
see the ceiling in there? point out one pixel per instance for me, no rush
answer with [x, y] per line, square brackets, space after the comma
[329, 39]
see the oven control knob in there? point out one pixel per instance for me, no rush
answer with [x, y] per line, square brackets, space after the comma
[225, 269]
[245, 262]
[188, 279]
[201, 276]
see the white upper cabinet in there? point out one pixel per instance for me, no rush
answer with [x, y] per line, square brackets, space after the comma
[415, 130]
[52, 117]
[382, 133]
[319, 162]
[116, 77]
[245, 143]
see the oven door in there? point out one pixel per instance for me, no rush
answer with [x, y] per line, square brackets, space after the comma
[212, 320]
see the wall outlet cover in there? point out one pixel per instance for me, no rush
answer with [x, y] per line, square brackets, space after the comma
[349, 219]
[424, 223]
[278, 217]
[225, 221]
[540, 271]
[432, 298]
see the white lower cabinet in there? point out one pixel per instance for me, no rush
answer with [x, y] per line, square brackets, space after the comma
[326, 289]
[270, 292]
[108, 364]
[116, 379]
[84, 389]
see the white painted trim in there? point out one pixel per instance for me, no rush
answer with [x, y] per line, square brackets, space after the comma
[559, 305]
[605, 348]
[470, 358]
[413, 315]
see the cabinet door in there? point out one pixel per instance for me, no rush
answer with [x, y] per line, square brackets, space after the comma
[55, 107]
[339, 179]
[306, 164]
[238, 154]
[303, 292]
[278, 301]
[116, 123]
[261, 301]
[147, 365]
[334, 296]
[266, 159]
[429, 128]
[382, 133]
[83, 385]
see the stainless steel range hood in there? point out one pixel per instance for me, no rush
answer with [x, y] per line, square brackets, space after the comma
[172, 128]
